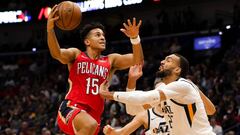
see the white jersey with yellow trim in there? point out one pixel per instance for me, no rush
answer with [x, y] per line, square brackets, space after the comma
[185, 109]
[157, 125]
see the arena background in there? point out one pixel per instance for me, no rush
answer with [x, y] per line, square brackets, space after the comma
[32, 83]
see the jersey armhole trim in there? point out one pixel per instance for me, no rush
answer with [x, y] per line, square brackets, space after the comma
[148, 121]
[153, 110]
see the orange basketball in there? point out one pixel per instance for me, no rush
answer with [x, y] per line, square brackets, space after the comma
[69, 15]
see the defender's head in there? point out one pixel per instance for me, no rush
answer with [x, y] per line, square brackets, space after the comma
[174, 64]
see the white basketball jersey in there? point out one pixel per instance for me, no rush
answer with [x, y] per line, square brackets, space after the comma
[157, 125]
[185, 109]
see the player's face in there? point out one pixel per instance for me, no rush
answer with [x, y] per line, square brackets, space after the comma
[169, 66]
[96, 39]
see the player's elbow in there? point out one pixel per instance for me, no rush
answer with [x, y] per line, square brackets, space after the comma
[211, 111]
[59, 58]
[55, 55]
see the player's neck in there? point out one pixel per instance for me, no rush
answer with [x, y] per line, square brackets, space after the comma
[93, 54]
[169, 79]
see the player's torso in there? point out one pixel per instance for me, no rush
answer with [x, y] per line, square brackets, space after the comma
[85, 77]
[157, 125]
[187, 118]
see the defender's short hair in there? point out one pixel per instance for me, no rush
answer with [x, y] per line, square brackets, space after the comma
[184, 65]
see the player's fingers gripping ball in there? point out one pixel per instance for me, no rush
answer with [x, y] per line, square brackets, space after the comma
[69, 15]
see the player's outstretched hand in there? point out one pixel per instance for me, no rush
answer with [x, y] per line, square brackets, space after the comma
[131, 29]
[52, 18]
[135, 72]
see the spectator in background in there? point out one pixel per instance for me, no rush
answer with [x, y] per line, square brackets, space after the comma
[9, 131]
[216, 128]
[45, 131]
[174, 46]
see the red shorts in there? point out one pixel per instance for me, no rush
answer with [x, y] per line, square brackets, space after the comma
[67, 112]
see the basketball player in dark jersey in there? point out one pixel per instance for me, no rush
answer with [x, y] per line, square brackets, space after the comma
[81, 110]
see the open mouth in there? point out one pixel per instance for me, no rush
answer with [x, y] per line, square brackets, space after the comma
[160, 68]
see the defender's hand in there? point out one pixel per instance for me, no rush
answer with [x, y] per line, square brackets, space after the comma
[135, 72]
[52, 18]
[130, 29]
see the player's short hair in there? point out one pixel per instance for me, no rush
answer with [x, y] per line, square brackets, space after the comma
[88, 27]
[184, 65]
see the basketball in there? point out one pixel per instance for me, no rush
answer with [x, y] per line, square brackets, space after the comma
[69, 15]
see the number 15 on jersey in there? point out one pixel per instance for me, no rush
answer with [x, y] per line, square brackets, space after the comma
[92, 86]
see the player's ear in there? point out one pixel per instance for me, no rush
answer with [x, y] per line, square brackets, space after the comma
[86, 42]
[178, 70]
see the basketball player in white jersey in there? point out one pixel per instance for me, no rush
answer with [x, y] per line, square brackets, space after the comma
[186, 107]
[152, 119]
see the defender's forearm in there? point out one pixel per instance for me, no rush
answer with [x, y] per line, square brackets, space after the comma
[137, 97]
[137, 51]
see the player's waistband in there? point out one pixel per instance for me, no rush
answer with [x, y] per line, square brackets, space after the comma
[84, 106]
[74, 104]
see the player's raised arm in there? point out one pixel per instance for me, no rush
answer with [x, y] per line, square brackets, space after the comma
[131, 30]
[135, 72]
[209, 106]
[63, 55]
